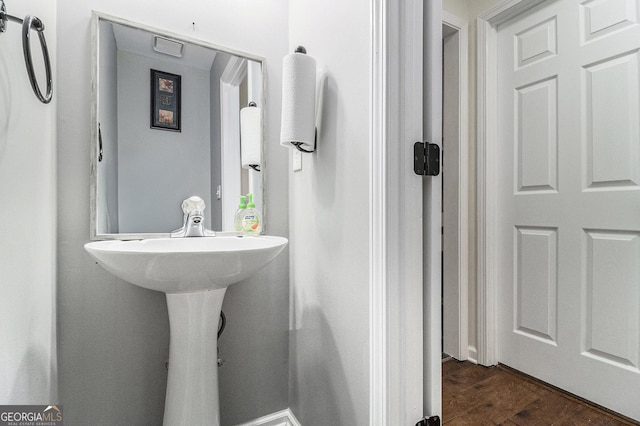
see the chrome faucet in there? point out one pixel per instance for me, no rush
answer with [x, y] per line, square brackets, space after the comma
[193, 220]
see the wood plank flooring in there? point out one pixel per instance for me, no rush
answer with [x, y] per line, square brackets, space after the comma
[476, 395]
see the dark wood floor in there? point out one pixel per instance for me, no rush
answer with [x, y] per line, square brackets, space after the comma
[476, 395]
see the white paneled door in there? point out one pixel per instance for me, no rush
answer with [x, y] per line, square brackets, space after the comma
[569, 198]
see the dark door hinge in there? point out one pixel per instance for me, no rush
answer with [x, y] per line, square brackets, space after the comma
[426, 159]
[429, 421]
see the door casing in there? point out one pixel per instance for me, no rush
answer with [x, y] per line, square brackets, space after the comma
[456, 299]
[405, 377]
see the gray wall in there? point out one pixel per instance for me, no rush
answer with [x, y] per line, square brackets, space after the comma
[329, 243]
[158, 169]
[113, 338]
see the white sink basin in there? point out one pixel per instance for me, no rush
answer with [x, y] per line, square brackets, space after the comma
[194, 273]
[177, 265]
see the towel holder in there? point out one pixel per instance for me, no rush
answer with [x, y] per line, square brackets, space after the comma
[27, 23]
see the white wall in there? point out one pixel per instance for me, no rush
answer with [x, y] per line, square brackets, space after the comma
[329, 229]
[450, 204]
[459, 8]
[158, 169]
[113, 336]
[27, 218]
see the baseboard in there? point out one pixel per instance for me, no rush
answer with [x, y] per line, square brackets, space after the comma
[281, 418]
[473, 355]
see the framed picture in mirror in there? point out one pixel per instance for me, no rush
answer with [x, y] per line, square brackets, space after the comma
[165, 101]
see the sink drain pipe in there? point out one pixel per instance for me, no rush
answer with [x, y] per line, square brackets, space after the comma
[221, 325]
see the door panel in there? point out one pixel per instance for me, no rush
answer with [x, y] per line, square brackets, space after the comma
[536, 283]
[569, 198]
[537, 123]
[612, 127]
[611, 297]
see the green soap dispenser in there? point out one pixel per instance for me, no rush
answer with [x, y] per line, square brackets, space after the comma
[237, 219]
[251, 219]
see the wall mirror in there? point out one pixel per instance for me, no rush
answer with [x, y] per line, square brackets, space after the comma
[165, 126]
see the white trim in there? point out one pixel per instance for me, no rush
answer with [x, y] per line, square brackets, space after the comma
[506, 10]
[487, 24]
[458, 24]
[432, 208]
[462, 27]
[379, 395]
[255, 94]
[473, 354]
[254, 86]
[281, 418]
[234, 73]
[396, 358]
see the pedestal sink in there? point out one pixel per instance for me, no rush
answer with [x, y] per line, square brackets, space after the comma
[194, 273]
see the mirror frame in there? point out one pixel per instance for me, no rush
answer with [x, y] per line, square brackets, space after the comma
[94, 147]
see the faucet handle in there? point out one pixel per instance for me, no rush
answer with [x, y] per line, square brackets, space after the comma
[193, 225]
[193, 203]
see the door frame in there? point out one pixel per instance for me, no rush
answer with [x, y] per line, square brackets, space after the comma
[461, 305]
[399, 392]
[431, 76]
[487, 148]
[232, 76]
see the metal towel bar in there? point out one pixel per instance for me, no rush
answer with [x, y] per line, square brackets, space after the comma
[27, 23]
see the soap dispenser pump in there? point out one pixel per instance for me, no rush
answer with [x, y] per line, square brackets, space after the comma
[251, 219]
[237, 219]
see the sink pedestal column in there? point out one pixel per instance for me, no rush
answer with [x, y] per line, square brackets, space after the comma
[192, 385]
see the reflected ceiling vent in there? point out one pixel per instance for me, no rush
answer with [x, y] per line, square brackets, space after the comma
[168, 46]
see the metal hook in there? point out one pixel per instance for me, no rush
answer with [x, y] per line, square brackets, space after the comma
[299, 147]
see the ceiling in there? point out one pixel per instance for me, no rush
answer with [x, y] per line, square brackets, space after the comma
[140, 42]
